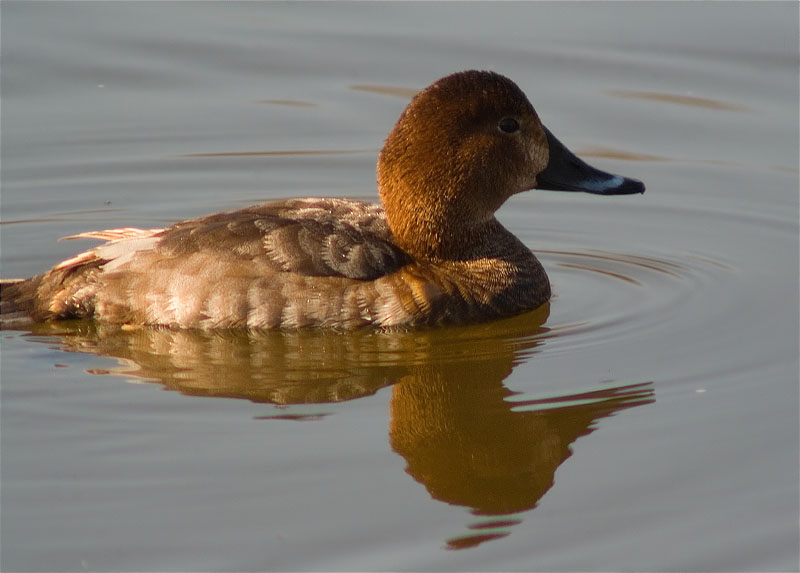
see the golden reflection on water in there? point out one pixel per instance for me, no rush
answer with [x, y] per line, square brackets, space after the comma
[288, 102]
[601, 152]
[277, 152]
[405, 93]
[680, 99]
[469, 445]
[466, 437]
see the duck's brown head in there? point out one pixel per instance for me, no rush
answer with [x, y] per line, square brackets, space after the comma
[462, 147]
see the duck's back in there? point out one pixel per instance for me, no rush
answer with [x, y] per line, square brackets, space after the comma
[320, 237]
[277, 264]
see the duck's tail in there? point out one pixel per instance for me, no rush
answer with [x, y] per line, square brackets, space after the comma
[17, 302]
[68, 289]
[63, 292]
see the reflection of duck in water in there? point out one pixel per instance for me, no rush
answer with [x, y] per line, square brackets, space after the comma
[469, 446]
[451, 417]
[433, 253]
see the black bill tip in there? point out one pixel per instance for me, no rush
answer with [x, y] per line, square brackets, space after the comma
[566, 172]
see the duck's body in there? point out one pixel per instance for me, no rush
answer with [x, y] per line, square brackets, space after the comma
[294, 263]
[432, 254]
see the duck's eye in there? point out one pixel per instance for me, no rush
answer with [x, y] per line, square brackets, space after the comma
[508, 124]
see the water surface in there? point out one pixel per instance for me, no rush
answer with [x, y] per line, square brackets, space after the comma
[647, 419]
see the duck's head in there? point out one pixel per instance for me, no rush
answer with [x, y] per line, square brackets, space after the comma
[462, 147]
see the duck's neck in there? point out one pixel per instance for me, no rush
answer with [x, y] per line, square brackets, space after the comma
[439, 214]
[436, 236]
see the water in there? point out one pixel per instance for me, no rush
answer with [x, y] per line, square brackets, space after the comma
[646, 420]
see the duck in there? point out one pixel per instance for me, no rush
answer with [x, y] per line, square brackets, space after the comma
[431, 253]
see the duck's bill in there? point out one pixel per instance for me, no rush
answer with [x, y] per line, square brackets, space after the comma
[566, 172]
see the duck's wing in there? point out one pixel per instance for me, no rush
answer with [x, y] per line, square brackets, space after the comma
[324, 237]
[143, 275]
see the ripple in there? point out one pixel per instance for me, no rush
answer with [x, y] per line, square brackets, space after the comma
[589, 261]
[277, 152]
[681, 99]
[602, 295]
[288, 102]
[405, 93]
